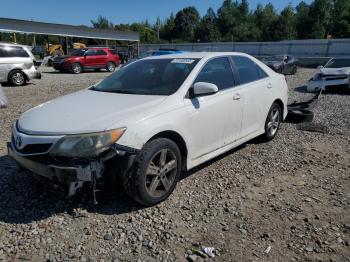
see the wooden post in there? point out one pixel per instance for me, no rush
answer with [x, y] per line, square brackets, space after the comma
[34, 40]
[138, 48]
[106, 43]
[14, 37]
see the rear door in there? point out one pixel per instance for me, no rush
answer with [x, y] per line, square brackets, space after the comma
[214, 117]
[102, 58]
[91, 58]
[255, 89]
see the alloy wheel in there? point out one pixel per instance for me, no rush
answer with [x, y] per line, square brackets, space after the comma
[161, 173]
[18, 78]
[111, 67]
[274, 122]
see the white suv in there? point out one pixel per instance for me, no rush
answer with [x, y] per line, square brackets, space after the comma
[17, 64]
[151, 120]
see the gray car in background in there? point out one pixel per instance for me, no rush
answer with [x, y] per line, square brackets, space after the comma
[284, 64]
[17, 64]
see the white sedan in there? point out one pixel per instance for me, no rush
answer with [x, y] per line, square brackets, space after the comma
[151, 120]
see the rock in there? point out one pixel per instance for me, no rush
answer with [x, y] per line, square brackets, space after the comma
[192, 258]
[107, 236]
[309, 248]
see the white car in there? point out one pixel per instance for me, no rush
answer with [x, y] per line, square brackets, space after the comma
[151, 120]
[336, 72]
[17, 64]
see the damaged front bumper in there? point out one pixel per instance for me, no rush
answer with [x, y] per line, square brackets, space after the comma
[72, 177]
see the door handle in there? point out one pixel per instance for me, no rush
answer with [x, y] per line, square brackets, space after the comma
[269, 85]
[236, 96]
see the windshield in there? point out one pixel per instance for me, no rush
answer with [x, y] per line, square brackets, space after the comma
[78, 52]
[149, 77]
[338, 63]
[273, 58]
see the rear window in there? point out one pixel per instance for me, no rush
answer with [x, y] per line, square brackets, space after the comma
[9, 51]
[338, 63]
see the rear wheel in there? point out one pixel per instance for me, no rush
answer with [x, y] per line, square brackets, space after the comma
[272, 122]
[111, 67]
[17, 78]
[156, 172]
[77, 68]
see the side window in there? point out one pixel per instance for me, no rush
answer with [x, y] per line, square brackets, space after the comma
[101, 52]
[13, 52]
[90, 52]
[247, 70]
[20, 52]
[217, 71]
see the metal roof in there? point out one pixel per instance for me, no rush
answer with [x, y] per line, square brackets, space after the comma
[41, 28]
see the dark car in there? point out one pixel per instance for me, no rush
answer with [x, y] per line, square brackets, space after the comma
[284, 64]
[87, 58]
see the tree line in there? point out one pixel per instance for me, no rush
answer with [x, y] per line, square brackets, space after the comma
[235, 21]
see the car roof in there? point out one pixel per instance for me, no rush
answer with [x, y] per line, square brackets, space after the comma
[196, 55]
[12, 44]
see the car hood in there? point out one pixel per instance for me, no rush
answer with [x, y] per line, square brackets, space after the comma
[334, 71]
[86, 111]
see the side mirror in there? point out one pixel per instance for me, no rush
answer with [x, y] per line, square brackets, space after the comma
[204, 88]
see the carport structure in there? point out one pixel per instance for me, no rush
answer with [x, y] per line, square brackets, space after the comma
[14, 26]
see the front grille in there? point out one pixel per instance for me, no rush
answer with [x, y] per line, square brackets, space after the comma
[32, 148]
[35, 149]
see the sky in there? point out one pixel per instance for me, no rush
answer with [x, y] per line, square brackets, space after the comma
[80, 12]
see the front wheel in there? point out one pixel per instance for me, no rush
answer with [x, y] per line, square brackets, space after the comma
[156, 172]
[272, 122]
[77, 68]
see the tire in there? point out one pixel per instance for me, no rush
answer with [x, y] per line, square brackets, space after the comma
[157, 169]
[111, 67]
[272, 123]
[17, 78]
[77, 68]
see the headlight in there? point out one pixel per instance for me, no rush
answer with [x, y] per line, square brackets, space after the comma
[86, 145]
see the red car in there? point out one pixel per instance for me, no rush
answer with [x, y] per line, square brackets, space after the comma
[87, 58]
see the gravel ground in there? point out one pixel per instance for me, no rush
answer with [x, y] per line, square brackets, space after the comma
[286, 200]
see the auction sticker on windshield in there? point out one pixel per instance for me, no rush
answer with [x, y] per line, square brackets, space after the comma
[182, 61]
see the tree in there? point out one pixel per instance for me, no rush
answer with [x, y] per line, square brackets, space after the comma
[303, 24]
[186, 22]
[236, 23]
[147, 34]
[168, 30]
[208, 30]
[102, 23]
[341, 19]
[320, 14]
[265, 18]
[285, 26]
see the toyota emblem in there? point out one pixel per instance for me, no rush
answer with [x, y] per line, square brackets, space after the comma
[18, 141]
